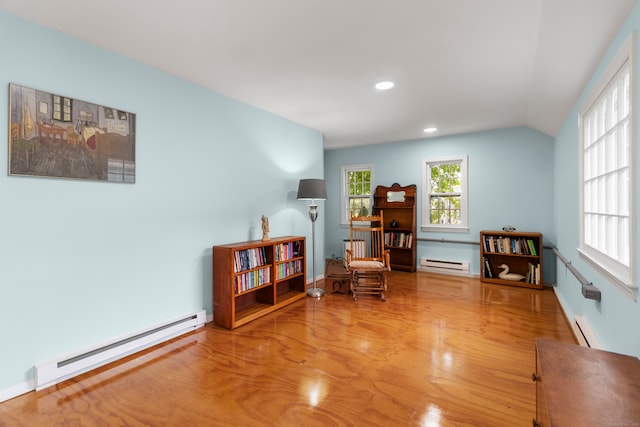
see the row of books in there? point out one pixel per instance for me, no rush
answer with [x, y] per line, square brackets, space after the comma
[285, 251]
[249, 258]
[287, 269]
[509, 245]
[252, 279]
[398, 239]
[532, 276]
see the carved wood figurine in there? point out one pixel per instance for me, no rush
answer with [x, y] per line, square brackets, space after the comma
[265, 228]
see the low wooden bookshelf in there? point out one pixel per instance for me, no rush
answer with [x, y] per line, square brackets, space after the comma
[520, 251]
[254, 278]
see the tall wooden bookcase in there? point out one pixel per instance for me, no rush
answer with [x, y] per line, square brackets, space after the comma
[399, 206]
[251, 279]
[520, 251]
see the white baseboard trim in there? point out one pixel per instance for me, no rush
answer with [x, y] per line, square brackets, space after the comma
[567, 315]
[17, 390]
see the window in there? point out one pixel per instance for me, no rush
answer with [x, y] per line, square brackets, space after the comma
[61, 108]
[444, 194]
[606, 168]
[356, 191]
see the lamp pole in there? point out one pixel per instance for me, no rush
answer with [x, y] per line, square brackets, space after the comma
[313, 215]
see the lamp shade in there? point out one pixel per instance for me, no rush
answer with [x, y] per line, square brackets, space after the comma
[310, 189]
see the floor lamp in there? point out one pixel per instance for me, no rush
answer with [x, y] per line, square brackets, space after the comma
[313, 189]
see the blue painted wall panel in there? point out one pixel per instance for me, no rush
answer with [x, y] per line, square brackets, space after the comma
[87, 261]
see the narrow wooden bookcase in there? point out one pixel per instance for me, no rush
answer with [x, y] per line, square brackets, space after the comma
[399, 206]
[521, 251]
[251, 279]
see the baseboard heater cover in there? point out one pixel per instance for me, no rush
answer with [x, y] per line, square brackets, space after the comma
[458, 266]
[584, 334]
[53, 371]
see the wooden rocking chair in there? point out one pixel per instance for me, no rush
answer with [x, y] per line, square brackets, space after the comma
[367, 260]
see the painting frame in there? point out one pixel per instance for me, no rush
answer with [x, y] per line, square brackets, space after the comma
[55, 136]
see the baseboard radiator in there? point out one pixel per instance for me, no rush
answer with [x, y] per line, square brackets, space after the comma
[55, 370]
[584, 334]
[444, 265]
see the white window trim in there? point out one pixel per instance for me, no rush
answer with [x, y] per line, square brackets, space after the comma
[344, 218]
[426, 176]
[622, 277]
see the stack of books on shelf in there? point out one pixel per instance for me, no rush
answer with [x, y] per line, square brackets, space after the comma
[488, 269]
[252, 279]
[533, 274]
[285, 251]
[249, 258]
[398, 239]
[508, 245]
[287, 269]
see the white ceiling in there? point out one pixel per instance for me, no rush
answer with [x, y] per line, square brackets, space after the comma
[460, 65]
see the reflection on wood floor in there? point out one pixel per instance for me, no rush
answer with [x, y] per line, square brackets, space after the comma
[442, 351]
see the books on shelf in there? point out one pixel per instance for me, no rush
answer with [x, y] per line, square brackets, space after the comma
[520, 251]
[252, 279]
[289, 250]
[509, 245]
[398, 239]
[254, 267]
[533, 274]
[488, 268]
[287, 269]
[249, 258]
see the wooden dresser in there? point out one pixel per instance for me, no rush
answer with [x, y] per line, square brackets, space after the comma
[580, 386]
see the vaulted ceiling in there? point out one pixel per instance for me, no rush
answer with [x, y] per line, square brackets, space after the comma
[458, 65]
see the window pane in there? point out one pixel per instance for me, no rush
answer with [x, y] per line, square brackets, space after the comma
[625, 243]
[627, 99]
[359, 206]
[445, 210]
[615, 115]
[445, 178]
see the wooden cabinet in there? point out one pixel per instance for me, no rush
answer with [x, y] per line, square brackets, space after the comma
[580, 386]
[251, 279]
[399, 206]
[521, 252]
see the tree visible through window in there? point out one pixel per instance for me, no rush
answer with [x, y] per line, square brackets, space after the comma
[444, 199]
[444, 204]
[360, 192]
[357, 192]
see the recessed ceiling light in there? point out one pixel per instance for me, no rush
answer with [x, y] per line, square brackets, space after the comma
[385, 85]
[430, 130]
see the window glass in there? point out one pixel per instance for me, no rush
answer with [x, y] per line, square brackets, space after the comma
[444, 191]
[357, 185]
[606, 169]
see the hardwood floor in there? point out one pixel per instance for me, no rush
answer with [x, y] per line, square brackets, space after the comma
[442, 351]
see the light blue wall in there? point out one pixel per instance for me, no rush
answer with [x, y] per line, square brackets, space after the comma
[616, 319]
[510, 182]
[83, 262]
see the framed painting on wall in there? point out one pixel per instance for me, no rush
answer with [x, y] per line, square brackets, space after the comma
[56, 136]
